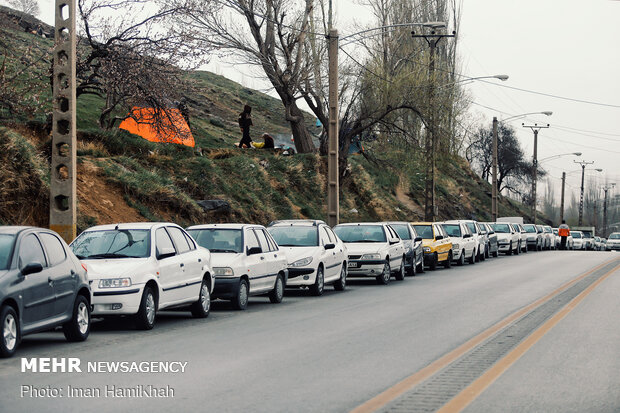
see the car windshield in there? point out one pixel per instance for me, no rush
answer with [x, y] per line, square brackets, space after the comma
[501, 228]
[615, 235]
[425, 231]
[360, 233]
[116, 243]
[6, 246]
[453, 230]
[576, 234]
[587, 235]
[530, 228]
[295, 235]
[402, 231]
[218, 239]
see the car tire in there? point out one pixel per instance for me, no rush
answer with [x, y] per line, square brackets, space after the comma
[341, 283]
[496, 254]
[421, 266]
[317, 288]
[78, 328]
[472, 259]
[411, 269]
[145, 319]
[461, 260]
[240, 300]
[201, 308]
[384, 277]
[524, 249]
[433, 264]
[509, 252]
[518, 250]
[448, 262]
[275, 295]
[486, 251]
[400, 274]
[9, 331]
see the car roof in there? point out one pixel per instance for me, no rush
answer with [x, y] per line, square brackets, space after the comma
[453, 221]
[225, 226]
[394, 222]
[129, 225]
[361, 223]
[15, 229]
[306, 222]
[424, 223]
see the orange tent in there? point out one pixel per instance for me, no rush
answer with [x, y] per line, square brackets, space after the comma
[172, 126]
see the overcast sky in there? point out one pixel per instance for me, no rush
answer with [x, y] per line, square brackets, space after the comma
[566, 48]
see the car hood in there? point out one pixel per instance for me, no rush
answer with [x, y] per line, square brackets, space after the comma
[357, 248]
[503, 237]
[226, 259]
[112, 268]
[296, 253]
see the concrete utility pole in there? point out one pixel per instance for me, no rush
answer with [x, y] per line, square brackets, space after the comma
[535, 128]
[430, 208]
[562, 200]
[583, 172]
[494, 206]
[606, 188]
[333, 202]
[63, 209]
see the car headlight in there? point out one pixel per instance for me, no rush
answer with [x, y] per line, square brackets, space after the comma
[375, 256]
[302, 262]
[455, 246]
[223, 271]
[426, 249]
[114, 282]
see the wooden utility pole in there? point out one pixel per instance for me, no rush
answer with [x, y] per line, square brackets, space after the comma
[494, 208]
[535, 128]
[63, 208]
[562, 200]
[583, 174]
[333, 187]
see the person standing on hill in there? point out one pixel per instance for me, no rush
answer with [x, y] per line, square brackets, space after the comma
[245, 121]
[563, 232]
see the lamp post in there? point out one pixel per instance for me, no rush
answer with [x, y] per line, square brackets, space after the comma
[583, 170]
[535, 128]
[494, 203]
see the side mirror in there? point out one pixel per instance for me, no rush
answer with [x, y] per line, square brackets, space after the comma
[418, 239]
[165, 253]
[32, 268]
[255, 250]
[466, 235]
[438, 237]
[394, 241]
[330, 246]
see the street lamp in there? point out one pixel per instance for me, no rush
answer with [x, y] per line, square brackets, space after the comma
[583, 170]
[494, 204]
[559, 156]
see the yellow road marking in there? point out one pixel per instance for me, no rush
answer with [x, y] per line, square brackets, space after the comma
[471, 392]
[408, 383]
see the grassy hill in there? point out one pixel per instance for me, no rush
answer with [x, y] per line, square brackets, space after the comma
[122, 177]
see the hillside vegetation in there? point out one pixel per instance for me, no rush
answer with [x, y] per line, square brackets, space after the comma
[122, 177]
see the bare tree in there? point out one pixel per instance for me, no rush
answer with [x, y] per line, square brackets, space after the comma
[26, 6]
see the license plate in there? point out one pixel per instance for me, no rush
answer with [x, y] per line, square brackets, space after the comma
[353, 265]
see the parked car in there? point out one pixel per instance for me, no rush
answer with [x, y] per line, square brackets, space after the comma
[613, 242]
[550, 238]
[136, 269]
[603, 244]
[597, 243]
[42, 286]
[493, 245]
[414, 256]
[579, 242]
[507, 237]
[463, 242]
[316, 256]
[374, 249]
[479, 237]
[534, 238]
[557, 238]
[588, 240]
[436, 244]
[246, 261]
[545, 239]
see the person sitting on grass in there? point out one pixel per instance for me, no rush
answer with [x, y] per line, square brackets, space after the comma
[267, 144]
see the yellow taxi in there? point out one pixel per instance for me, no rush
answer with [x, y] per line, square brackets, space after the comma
[436, 244]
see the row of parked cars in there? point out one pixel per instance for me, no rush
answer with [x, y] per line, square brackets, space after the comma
[137, 269]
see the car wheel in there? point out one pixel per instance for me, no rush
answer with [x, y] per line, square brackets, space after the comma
[518, 250]
[240, 301]
[448, 262]
[461, 260]
[384, 277]
[275, 296]
[341, 284]
[411, 269]
[421, 266]
[524, 249]
[78, 328]
[316, 289]
[496, 254]
[9, 331]
[472, 259]
[433, 264]
[486, 251]
[509, 252]
[201, 308]
[145, 319]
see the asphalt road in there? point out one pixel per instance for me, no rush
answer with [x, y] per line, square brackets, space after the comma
[333, 353]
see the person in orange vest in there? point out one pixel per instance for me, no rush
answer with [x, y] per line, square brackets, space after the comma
[563, 232]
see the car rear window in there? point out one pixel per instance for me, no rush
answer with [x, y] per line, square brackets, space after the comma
[6, 247]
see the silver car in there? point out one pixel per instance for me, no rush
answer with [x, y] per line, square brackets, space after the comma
[414, 256]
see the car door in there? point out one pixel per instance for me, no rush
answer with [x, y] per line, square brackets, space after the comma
[169, 267]
[339, 251]
[327, 255]
[185, 282]
[62, 273]
[395, 247]
[277, 258]
[267, 275]
[194, 264]
[37, 289]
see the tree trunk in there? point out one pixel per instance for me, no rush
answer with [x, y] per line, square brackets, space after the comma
[301, 136]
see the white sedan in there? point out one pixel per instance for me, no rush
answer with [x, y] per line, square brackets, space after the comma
[463, 243]
[316, 256]
[246, 261]
[508, 238]
[139, 268]
[375, 250]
